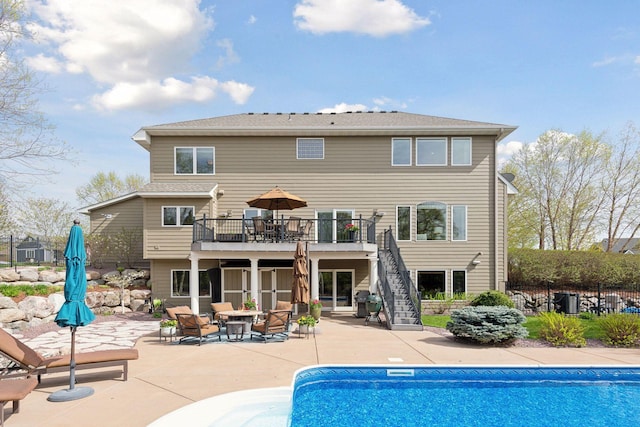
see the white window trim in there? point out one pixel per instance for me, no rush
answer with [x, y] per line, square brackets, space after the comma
[308, 158]
[410, 223]
[186, 296]
[195, 161]
[470, 150]
[466, 223]
[446, 151]
[393, 140]
[177, 215]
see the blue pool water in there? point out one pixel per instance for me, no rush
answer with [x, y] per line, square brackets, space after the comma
[465, 396]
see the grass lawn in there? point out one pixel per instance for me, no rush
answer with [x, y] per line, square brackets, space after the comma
[592, 328]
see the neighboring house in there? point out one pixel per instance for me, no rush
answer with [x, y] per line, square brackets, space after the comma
[430, 183]
[627, 245]
[33, 250]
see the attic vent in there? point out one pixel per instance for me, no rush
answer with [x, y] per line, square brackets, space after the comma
[251, 114]
[266, 114]
[306, 114]
[370, 111]
[394, 111]
[278, 114]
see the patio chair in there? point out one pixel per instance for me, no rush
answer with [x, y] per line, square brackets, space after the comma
[172, 313]
[276, 323]
[303, 232]
[14, 390]
[292, 228]
[25, 361]
[264, 230]
[192, 328]
[217, 307]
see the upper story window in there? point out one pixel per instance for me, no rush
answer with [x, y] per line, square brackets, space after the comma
[310, 148]
[176, 216]
[401, 152]
[195, 160]
[431, 151]
[431, 221]
[461, 151]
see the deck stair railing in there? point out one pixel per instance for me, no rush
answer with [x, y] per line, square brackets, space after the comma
[400, 295]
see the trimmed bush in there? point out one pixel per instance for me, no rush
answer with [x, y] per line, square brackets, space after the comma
[488, 325]
[621, 330]
[492, 299]
[560, 330]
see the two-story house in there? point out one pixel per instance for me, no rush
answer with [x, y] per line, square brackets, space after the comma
[424, 192]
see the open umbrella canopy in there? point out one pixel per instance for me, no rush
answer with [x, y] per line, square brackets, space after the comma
[74, 311]
[300, 284]
[277, 199]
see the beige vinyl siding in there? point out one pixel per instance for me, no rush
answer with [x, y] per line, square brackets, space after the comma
[112, 219]
[170, 242]
[357, 174]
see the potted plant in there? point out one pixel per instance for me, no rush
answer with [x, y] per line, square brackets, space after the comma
[315, 308]
[168, 327]
[352, 231]
[250, 304]
[306, 323]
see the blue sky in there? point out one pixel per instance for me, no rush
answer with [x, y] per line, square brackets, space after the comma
[113, 66]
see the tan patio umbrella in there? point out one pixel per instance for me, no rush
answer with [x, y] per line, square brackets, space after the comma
[300, 284]
[277, 199]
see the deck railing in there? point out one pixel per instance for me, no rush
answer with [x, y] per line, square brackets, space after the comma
[284, 229]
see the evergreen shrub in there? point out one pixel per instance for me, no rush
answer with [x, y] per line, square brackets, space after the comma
[488, 325]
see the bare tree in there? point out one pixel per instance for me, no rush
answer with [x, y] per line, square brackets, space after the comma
[621, 187]
[27, 144]
[105, 186]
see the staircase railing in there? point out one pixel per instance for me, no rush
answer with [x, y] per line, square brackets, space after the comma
[412, 291]
[387, 294]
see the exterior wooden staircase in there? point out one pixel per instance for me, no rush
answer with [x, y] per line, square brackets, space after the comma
[401, 299]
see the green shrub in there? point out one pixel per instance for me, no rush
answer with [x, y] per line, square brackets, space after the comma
[492, 299]
[13, 291]
[488, 325]
[560, 330]
[621, 330]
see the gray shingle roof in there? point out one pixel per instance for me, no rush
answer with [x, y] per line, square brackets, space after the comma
[367, 119]
[187, 189]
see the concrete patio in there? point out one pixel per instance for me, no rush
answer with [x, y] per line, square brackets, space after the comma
[169, 376]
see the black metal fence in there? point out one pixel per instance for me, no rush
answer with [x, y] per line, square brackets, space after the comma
[598, 299]
[27, 250]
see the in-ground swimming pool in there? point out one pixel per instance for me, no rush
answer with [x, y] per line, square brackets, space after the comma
[396, 395]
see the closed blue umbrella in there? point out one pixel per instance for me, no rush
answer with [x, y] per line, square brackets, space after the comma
[74, 312]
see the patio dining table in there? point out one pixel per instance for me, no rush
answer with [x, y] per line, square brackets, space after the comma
[245, 316]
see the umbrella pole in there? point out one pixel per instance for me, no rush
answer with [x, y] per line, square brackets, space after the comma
[72, 393]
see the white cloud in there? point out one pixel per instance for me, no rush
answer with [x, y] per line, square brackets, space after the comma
[252, 20]
[43, 63]
[606, 61]
[154, 94]
[130, 47]
[637, 60]
[377, 18]
[230, 56]
[343, 108]
[506, 150]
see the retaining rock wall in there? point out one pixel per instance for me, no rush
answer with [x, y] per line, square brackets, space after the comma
[36, 310]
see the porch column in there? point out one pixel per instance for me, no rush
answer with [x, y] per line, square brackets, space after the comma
[254, 279]
[194, 286]
[313, 274]
[373, 273]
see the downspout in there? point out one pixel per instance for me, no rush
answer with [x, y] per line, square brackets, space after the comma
[495, 212]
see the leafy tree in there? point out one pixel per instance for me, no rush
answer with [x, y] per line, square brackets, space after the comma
[559, 198]
[47, 218]
[27, 145]
[105, 186]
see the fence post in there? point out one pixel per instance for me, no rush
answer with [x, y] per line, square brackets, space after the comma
[599, 295]
[548, 296]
